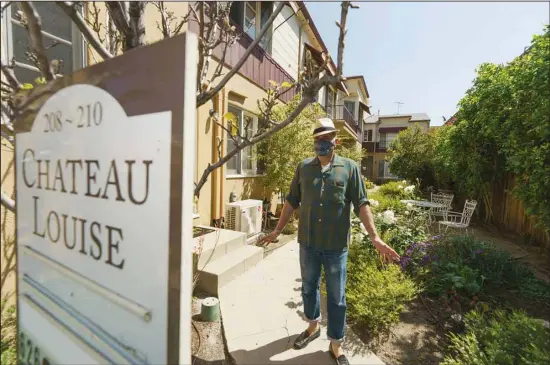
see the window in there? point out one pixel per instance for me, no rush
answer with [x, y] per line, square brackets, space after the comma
[350, 106]
[386, 139]
[368, 136]
[384, 170]
[329, 102]
[62, 41]
[244, 162]
[251, 16]
[250, 19]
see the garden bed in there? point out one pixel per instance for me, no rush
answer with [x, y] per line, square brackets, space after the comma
[451, 299]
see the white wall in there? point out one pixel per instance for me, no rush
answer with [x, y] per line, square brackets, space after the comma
[394, 122]
[285, 43]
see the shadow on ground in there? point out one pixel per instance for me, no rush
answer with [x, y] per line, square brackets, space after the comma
[267, 354]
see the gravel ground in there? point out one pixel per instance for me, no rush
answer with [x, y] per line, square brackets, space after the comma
[207, 344]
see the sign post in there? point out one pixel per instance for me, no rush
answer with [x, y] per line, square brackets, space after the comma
[104, 177]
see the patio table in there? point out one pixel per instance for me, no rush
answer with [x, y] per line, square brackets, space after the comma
[423, 203]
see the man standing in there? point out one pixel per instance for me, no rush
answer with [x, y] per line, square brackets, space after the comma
[323, 188]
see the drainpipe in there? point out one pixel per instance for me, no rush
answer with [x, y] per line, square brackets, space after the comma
[214, 177]
[222, 168]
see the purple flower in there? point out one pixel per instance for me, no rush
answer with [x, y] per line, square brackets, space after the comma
[404, 262]
[436, 237]
[425, 260]
[479, 251]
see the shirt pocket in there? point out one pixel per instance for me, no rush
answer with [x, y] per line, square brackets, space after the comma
[336, 190]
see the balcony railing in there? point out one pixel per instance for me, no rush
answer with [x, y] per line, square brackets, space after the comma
[383, 145]
[340, 112]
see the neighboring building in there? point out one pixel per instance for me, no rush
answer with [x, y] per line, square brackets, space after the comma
[349, 111]
[379, 132]
[279, 57]
[450, 121]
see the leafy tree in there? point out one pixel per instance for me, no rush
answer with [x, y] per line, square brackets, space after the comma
[412, 155]
[503, 126]
[347, 147]
[282, 152]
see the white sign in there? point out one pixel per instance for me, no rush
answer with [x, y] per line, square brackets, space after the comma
[93, 205]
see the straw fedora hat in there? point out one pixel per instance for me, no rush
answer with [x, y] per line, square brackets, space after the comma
[323, 126]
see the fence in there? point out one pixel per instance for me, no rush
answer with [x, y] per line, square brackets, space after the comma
[509, 212]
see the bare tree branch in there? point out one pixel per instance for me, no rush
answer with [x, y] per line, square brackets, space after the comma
[312, 85]
[129, 22]
[117, 13]
[75, 16]
[137, 26]
[10, 76]
[8, 202]
[249, 142]
[207, 95]
[9, 138]
[163, 27]
[34, 26]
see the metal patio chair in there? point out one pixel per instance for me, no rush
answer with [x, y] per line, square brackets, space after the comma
[441, 198]
[459, 220]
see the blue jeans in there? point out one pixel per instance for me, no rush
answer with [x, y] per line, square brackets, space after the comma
[335, 265]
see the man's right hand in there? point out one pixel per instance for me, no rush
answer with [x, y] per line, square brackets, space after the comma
[271, 237]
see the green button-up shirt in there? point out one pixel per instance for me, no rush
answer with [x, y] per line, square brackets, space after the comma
[324, 200]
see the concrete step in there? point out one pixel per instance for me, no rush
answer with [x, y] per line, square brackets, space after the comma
[223, 270]
[219, 243]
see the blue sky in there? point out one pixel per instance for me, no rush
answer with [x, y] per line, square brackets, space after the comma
[424, 54]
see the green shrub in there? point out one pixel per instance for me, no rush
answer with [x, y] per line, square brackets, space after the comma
[401, 234]
[376, 294]
[394, 189]
[368, 184]
[500, 339]
[381, 203]
[8, 340]
[462, 267]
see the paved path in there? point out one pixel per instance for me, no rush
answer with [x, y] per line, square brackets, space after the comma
[262, 315]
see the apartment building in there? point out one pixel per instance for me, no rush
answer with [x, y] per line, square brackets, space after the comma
[379, 132]
[279, 57]
[348, 108]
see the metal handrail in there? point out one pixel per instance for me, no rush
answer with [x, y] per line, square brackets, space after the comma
[340, 112]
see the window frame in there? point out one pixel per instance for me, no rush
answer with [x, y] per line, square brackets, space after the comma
[240, 171]
[352, 111]
[366, 134]
[77, 42]
[257, 8]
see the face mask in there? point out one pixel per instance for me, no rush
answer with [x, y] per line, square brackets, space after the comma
[323, 147]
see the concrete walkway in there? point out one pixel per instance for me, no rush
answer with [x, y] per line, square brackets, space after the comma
[262, 315]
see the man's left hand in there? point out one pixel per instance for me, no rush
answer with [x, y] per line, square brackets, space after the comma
[388, 253]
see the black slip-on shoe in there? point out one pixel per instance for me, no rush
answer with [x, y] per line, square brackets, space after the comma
[340, 360]
[305, 338]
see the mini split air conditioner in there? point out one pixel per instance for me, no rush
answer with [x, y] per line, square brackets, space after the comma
[244, 216]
